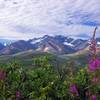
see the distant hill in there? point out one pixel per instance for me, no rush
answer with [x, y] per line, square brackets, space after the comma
[81, 56]
[6, 41]
[16, 47]
[26, 57]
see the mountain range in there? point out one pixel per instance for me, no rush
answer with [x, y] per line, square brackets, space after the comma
[58, 44]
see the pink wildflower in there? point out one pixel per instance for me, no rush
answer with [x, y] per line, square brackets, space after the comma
[74, 90]
[95, 79]
[93, 97]
[94, 65]
[18, 94]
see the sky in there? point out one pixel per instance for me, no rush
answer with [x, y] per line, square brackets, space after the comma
[26, 19]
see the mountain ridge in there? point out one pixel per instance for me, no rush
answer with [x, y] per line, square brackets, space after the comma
[58, 44]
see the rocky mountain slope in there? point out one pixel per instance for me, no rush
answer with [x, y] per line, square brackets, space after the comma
[51, 44]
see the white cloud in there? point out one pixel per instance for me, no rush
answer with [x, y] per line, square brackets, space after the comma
[6, 33]
[23, 19]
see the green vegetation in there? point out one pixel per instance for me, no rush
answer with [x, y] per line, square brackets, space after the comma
[46, 79]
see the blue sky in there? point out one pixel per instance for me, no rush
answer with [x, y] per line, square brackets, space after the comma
[25, 19]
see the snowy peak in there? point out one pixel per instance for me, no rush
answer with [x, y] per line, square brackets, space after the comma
[53, 44]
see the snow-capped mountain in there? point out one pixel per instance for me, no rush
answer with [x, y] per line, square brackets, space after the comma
[53, 44]
[66, 42]
[6, 42]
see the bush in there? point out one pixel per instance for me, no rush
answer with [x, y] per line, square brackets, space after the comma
[43, 82]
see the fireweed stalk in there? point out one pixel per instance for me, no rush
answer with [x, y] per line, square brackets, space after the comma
[92, 46]
[94, 67]
[94, 64]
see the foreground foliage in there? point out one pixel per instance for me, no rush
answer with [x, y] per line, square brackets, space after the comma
[44, 82]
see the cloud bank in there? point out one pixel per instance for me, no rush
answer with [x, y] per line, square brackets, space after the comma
[24, 19]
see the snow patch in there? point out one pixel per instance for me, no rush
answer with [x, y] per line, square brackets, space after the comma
[98, 43]
[36, 41]
[5, 44]
[69, 44]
